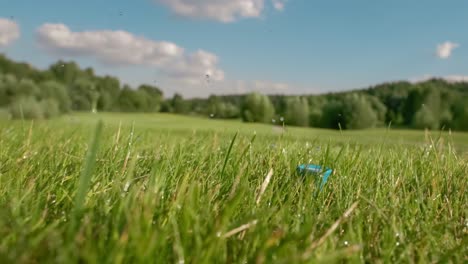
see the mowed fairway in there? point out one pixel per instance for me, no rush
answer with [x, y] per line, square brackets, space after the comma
[161, 188]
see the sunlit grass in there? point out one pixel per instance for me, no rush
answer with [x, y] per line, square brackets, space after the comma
[168, 189]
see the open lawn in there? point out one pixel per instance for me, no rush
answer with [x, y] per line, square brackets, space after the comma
[156, 188]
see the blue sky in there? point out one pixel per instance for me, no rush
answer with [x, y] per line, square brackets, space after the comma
[299, 46]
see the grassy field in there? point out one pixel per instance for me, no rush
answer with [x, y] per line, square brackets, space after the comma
[143, 188]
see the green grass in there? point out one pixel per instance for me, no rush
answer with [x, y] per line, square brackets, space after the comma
[164, 189]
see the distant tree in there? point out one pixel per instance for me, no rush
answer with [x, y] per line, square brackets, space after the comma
[428, 113]
[58, 92]
[393, 95]
[446, 119]
[26, 87]
[297, 111]
[412, 104]
[50, 108]
[218, 109]
[257, 108]
[432, 101]
[332, 115]
[424, 118]
[212, 106]
[8, 82]
[19, 70]
[132, 100]
[316, 105]
[154, 97]
[358, 112]
[83, 95]
[166, 106]
[26, 107]
[460, 114]
[231, 111]
[379, 108]
[279, 104]
[315, 117]
[66, 72]
[179, 105]
[109, 91]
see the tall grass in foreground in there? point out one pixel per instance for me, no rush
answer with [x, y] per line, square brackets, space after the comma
[204, 197]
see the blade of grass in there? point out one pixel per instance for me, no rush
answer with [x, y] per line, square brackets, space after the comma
[227, 154]
[87, 171]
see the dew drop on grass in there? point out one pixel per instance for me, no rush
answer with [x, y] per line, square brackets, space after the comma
[346, 243]
[397, 244]
[218, 234]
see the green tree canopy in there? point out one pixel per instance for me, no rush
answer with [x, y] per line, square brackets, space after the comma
[257, 108]
[358, 112]
[297, 111]
[57, 91]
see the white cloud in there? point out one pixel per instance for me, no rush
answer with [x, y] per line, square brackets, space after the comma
[119, 47]
[270, 87]
[456, 78]
[278, 4]
[448, 78]
[9, 32]
[444, 50]
[220, 10]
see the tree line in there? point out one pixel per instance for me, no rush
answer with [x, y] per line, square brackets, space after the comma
[433, 104]
[64, 87]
